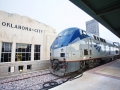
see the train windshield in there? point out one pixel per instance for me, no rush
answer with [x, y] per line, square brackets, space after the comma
[61, 34]
[65, 37]
[65, 33]
[68, 32]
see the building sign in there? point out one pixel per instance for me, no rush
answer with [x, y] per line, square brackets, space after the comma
[92, 27]
[21, 27]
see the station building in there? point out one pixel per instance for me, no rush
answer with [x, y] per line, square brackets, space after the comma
[24, 44]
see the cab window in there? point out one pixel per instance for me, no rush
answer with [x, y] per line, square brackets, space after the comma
[84, 33]
[68, 32]
[59, 35]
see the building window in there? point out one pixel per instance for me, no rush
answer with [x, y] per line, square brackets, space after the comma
[20, 68]
[23, 52]
[37, 52]
[6, 52]
[11, 69]
[29, 67]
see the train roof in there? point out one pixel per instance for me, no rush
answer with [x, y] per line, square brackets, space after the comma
[69, 29]
[90, 35]
[103, 40]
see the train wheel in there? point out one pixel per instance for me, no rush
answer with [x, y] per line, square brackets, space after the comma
[96, 62]
[91, 63]
[82, 66]
[114, 57]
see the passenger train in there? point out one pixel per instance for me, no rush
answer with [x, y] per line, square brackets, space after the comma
[74, 49]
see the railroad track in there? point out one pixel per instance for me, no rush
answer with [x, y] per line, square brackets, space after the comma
[29, 81]
[24, 76]
[32, 81]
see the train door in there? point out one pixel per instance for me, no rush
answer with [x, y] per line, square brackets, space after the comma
[85, 48]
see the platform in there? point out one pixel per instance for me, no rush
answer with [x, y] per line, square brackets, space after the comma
[105, 77]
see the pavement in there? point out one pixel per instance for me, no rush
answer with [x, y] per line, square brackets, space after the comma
[105, 77]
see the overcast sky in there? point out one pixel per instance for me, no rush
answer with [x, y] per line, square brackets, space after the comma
[59, 14]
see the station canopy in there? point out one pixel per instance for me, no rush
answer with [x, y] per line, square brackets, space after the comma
[106, 12]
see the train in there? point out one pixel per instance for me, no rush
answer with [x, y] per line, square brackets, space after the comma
[74, 49]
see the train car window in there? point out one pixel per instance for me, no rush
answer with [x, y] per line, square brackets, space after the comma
[84, 33]
[85, 52]
[104, 41]
[98, 38]
[101, 40]
[95, 38]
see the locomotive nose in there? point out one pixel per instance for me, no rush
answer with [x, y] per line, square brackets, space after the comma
[54, 63]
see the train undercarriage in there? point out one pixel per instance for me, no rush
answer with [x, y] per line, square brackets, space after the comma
[62, 68]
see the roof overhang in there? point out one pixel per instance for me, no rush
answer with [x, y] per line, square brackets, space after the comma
[106, 12]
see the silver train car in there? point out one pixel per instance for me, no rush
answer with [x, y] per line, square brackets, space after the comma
[74, 49]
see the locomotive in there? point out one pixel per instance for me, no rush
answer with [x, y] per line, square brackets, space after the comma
[74, 49]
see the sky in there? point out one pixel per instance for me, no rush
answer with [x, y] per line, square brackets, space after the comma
[59, 14]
